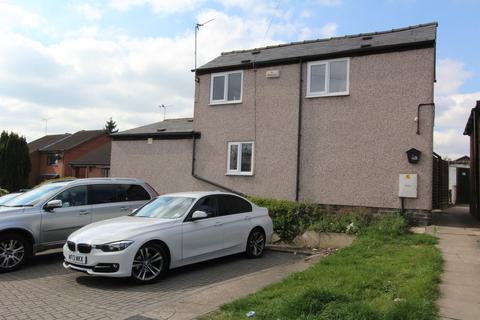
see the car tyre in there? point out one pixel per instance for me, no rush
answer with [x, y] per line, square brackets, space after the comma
[149, 264]
[256, 243]
[14, 252]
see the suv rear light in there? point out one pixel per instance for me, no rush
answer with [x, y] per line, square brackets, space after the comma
[269, 214]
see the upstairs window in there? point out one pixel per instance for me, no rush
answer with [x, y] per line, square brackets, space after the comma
[240, 158]
[226, 87]
[328, 78]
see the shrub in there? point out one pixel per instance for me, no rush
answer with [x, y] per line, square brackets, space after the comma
[389, 225]
[350, 222]
[291, 219]
[3, 192]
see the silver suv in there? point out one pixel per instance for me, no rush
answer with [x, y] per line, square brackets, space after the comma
[44, 217]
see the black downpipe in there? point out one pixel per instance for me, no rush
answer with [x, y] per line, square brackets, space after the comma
[205, 180]
[299, 133]
[418, 113]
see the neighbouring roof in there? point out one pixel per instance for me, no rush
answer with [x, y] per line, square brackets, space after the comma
[167, 129]
[46, 141]
[461, 160]
[73, 140]
[423, 35]
[474, 113]
[99, 157]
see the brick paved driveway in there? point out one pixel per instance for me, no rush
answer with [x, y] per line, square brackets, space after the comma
[45, 290]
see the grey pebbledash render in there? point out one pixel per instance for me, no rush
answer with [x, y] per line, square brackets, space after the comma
[328, 121]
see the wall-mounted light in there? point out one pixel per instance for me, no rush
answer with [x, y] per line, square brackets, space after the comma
[413, 155]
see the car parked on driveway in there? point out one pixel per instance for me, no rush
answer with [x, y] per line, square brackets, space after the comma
[171, 231]
[44, 217]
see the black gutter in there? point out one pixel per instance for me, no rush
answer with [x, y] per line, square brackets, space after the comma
[333, 55]
[206, 180]
[157, 136]
[299, 132]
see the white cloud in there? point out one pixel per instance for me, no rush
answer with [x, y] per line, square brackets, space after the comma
[158, 6]
[329, 3]
[451, 144]
[88, 11]
[451, 75]
[94, 73]
[12, 16]
[329, 30]
[452, 109]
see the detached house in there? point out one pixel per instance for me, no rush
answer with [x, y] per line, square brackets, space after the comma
[328, 121]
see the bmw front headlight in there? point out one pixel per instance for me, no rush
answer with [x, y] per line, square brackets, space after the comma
[114, 246]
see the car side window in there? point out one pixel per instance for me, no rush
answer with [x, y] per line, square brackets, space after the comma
[132, 192]
[208, 205]
[102, 193]
[73, 197]
[230, 204]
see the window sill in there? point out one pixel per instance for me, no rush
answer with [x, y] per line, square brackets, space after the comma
[241, 174]
[224, 103]
[337, 94]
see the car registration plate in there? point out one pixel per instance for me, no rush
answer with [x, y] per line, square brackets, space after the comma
[73, 258]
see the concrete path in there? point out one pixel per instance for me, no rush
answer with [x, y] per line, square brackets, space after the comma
[459, 235]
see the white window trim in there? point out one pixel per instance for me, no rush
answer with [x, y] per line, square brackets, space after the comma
[239, 159]
[326, 93]
[225, 89]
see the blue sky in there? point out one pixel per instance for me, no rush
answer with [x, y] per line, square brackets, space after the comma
[122, 58]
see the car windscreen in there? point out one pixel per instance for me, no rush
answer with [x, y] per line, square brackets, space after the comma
[7, 197]
[165, 208]
[34, 196]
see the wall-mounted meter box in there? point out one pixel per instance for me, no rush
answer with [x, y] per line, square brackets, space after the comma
[407, 187]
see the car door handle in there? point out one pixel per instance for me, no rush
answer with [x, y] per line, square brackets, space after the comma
[84, 212]
[218, 224]
[248, 218]
[123, 208]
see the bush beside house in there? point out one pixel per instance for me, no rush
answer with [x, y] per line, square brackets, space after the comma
[14, 161]
[291, 219]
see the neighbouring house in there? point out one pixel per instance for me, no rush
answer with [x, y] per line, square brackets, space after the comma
[94, 164]
[34, 151]
[459, 180]
[472, 129]
[328, 121]
[54, 159]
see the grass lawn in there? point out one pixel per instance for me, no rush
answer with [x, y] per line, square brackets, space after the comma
[359, 282]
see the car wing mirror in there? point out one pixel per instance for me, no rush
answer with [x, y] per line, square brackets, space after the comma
[53, 204]
[197, 215]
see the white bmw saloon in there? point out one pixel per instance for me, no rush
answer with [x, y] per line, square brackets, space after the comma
[171, 231]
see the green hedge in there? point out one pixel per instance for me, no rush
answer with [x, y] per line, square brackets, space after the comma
[293, 218]
[3, 192]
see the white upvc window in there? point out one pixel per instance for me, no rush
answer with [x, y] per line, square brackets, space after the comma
[226, 87]
[328, 78]
[240, 158]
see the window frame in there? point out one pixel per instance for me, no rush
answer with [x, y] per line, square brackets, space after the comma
[225, 88]
[327, 92]
[238, 171]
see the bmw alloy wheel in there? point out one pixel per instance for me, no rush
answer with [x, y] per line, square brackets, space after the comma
[256, 243]
[149, 263]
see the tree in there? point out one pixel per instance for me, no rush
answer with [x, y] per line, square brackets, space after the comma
[14, 161]
[111, 126]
